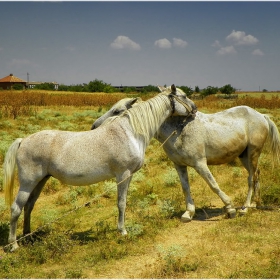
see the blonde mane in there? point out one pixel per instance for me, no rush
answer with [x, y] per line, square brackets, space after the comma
[145, 118]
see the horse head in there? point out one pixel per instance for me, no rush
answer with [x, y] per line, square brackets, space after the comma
[179, 101]
[117, 109]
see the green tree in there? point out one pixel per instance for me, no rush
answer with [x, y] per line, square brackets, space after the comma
[197, 89]
[227, 89]
[209, 90]
[150, 88]
[99, 86]
[18, 86]
[45, 86]
[187, 90]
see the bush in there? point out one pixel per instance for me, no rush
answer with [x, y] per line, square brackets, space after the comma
[209, 91]
[227, 89]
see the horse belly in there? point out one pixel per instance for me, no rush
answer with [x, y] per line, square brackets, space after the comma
[78, 177]
[224, 154]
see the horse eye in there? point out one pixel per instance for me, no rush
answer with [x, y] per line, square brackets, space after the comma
[116, 112]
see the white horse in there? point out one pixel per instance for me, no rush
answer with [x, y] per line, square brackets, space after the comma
[213, 139]
[116, 149]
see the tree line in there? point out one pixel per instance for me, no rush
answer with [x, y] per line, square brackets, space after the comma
[100, 86]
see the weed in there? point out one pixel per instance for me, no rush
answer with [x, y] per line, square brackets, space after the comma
[167, 208]
[173, 262]
[51, 186]
[47, 215]
[135, 230]
[74, 274]
[170, 178]
[110, 188]
[271, 195]
[70, 197]
[4, 232]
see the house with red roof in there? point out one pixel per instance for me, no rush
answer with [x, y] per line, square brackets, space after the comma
[9, 81]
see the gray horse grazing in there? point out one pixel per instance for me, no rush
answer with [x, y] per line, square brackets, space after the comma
[213, 139]
[116, 149]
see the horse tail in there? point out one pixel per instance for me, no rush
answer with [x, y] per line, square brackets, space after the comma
[273, 140]
[9, 167]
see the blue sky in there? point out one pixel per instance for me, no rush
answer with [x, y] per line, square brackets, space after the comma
[141, 43]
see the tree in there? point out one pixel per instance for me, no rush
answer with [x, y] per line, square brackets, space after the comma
[18, 86]
[209, 90]
[196, 89]
[45, 86]
[150, 88]
[99, 86]
[187, 90]
[227, 89]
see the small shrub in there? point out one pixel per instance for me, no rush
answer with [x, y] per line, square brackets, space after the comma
[4, 232]
[167, 208]
[74, 274]
[51, 186]
[170, 178]
[271, 195]
[173, 262]
[110, 188]
[48, 215]
[134, 230]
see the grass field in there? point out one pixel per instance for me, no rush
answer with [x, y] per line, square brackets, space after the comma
[86, 244]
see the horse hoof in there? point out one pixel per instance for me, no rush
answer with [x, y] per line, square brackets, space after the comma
[13, 247]
[186, 218]
[242, 212]
[231, 213]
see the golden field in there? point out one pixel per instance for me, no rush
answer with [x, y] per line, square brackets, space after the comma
[86, 244]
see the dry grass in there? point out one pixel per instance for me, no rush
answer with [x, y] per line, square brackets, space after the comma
[86, 244]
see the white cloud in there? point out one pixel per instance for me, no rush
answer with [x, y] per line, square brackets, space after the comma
[163, 43]
[226, 50]
[257, 52]
[179, 43]
[123, 42]
[216, 44]
[240, 38]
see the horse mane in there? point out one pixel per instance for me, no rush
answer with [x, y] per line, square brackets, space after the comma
[145, 118]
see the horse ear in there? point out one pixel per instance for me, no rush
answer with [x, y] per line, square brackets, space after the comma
[161, 88]
[132, 101]
[173, 89]
[136, 99]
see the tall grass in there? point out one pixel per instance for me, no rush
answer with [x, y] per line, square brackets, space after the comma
[86, 244]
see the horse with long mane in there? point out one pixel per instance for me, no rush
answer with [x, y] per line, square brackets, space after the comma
[213, 139]
[116, 149]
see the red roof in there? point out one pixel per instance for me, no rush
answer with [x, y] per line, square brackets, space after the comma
[11, 79]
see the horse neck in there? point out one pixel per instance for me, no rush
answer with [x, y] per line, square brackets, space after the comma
[147, 117]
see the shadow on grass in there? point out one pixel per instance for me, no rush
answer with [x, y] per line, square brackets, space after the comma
[93, 235]
[4, 233]
[209, 214]
[205, 214]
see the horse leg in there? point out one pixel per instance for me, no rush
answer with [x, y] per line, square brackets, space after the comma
[30, 204]
[250, 162]
[183, 175]
[16, 209]
[203, 170]
[123, 182]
